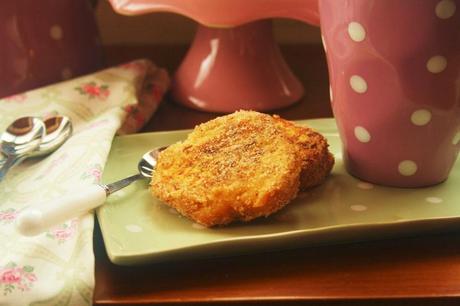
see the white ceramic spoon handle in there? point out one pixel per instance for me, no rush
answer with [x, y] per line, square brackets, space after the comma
[39, 218]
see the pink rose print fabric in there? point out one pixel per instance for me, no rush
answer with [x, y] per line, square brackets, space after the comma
[93, 90]
[57, 267]
[8, 215]
[63, 232]
[16, 278]
[151, 94]
[94, 172]
[19, 98]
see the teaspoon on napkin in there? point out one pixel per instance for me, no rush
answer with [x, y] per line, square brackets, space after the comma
[39, 218]
[44, 137]
[20, 139]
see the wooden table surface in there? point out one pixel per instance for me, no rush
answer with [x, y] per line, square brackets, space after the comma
[422, 270]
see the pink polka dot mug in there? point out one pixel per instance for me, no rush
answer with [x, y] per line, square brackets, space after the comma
[394, 69]
[44, 42]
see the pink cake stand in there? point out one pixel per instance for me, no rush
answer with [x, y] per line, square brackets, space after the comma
[233, 62]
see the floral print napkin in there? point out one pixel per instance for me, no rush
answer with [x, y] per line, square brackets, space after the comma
[57, 267]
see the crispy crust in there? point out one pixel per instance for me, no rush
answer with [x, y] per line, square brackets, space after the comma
[317, 161]
[239, 167]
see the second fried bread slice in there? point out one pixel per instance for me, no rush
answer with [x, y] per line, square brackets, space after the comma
[317, 161]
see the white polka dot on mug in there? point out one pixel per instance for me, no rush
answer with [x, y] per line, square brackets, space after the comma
[356, 31]
[445, 9]
[358, 84]
[56, 32]
[407, 167]
[436, 64]
[362, 134]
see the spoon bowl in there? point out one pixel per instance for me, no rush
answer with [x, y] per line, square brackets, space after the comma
[148, 162]
[20, 139]
[22, 136]
[58, 130]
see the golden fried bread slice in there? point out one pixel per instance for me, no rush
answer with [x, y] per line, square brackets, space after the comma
[317, 161]
[236, 167]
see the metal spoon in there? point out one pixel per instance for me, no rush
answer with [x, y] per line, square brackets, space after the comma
[37, 219]
[57, 130]
[21, 138]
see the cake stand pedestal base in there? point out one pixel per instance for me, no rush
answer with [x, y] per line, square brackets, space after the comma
[228, 69]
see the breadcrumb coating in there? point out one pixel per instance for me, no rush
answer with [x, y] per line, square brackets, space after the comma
[317, 161]
[239, 167]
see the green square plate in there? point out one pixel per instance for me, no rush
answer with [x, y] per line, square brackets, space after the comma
[138, 228]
